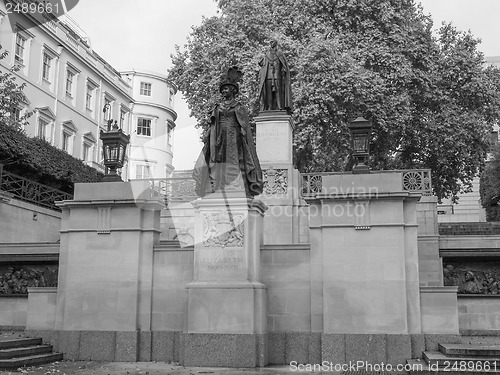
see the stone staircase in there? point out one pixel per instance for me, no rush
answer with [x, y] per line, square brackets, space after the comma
[478, 355]
[21, 352]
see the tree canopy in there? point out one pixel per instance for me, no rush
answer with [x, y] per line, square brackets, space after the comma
[431, 100]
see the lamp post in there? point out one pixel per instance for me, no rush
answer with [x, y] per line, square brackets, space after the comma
[360, 130]
[114, 143]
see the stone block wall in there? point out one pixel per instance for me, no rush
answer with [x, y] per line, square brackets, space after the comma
[26, 222]
[172, 270]
[13, 311]
[479, 314]
[286, 273]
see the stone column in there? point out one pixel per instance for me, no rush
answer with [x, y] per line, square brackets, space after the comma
[285, 221]
[226, 314]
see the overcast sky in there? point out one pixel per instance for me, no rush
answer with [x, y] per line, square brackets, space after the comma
[142, 35]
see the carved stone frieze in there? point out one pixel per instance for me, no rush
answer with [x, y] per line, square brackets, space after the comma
[473, 277]
[17, 279]
[223, 229]
[275, 181]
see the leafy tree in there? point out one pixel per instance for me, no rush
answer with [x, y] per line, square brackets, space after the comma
[490, 187]
[429, 97]
[11, 94]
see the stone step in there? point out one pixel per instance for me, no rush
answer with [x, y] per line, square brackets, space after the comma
[25, 351]
[469, 363]
[470, 350]
[481, 340]
[20, 342]
[31, 360]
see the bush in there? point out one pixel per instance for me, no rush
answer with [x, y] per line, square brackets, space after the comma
[490, 187]
[38, 160]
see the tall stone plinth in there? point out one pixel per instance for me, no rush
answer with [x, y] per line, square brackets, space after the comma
[106, 259]
[285, 221]
[226, 312]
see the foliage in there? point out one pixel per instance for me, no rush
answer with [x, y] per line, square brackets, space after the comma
[431, 101]
[490, 187]
[36, 159]
[11, 95]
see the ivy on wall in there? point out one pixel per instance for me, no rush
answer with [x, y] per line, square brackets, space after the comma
[36, 159]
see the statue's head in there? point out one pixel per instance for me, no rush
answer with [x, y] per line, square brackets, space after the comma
[274, 43]
[232, 88]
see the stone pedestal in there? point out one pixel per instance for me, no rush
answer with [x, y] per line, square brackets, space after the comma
[226, 300]
[106, 258]
[285, 221]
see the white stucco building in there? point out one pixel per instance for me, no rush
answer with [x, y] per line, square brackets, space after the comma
[67, 85]
[153, 116]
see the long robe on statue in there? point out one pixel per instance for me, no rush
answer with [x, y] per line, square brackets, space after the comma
[274, 81]
[228, 157]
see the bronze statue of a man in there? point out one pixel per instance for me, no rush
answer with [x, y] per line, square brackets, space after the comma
[274, 81]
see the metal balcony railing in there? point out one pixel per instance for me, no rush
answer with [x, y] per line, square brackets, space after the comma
[30, 191]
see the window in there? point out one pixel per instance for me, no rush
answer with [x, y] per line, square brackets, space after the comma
[43, 129]
[65, 141]
[122, 118]
[47, 60]
[169, 135]
[20, 48]
[108, 105]
[45, 123]
[67, 136]
[86, 151]
[15, 114]
[90, 95]
[142, 171]
[145, 89]
[144, 127]
[89, 142]
[171, 99]
[69, 83]
[89, 98]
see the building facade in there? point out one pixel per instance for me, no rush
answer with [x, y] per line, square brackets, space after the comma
[67, 85]
[153, 117]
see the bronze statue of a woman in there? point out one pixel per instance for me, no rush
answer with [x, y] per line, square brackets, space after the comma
[228, 160]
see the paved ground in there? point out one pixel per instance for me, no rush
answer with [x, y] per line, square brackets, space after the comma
[141, 368]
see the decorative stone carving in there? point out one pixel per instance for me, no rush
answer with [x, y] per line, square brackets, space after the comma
[275, 181]
[362, 215]
[17, 279]
[418, 180]
[104, 220]
[473, 277]
[223, 229]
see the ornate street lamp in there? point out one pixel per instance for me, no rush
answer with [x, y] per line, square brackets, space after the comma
[114, 143]
[360, 137]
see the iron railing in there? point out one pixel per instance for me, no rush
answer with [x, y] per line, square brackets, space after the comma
[173, 189]
[30, 191]
[182, 189]
[412, 180]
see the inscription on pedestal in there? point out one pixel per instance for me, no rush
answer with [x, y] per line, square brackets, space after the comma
[274, 142]
[216, 264]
